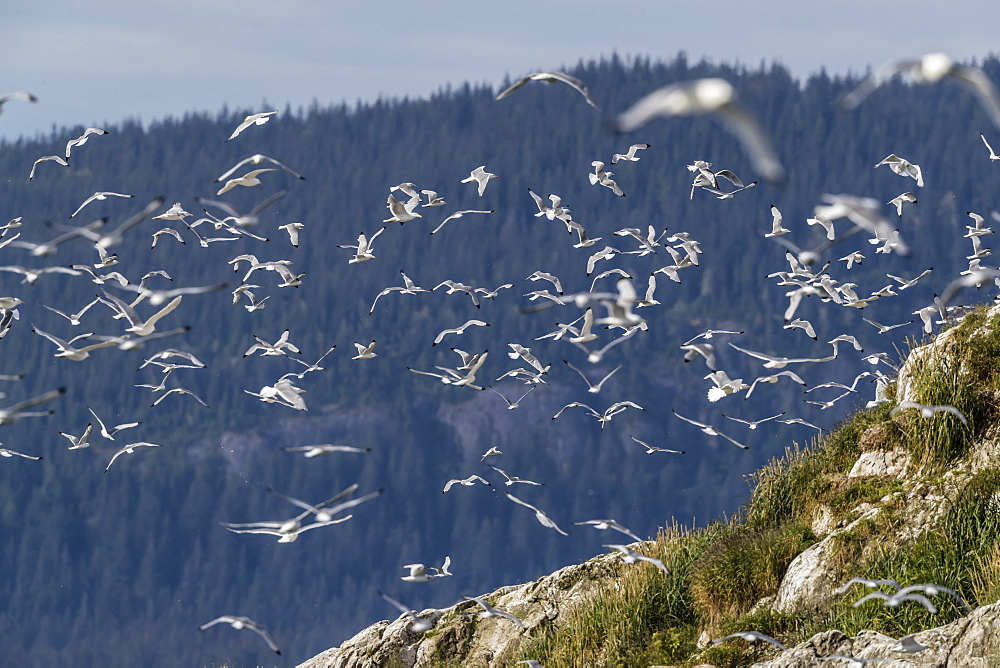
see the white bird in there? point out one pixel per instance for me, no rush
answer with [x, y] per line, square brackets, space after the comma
[128, 450]
[252, 119]
[825, 224]
[409, 288]
[110, 433]
[710, 430]
[512, 479]
[724, 385]
[545, 276]
[82, 139]
[804, 325]
[100, 195]
[421, 573]
[79, 442]
[903, 168]
[852, 259]
[467, 482]
[603, 418]
[893, 600]
[248, 180]
[752, 424]
[7, 452]
[492, 452]
[66, 349]
[432, 198]
[909, 644]
[21, 95]
[927, 411]
[775, 362]
[629, 556]
[365, 352]
[490, 611]
[882, 329]
[854, 661]
[420, 624]
[326, 510]
[773, 378]
[993, 156]
[929, 69]
[458, 330]
[46, 158]
[137, 325]
[751, 636]
[456, 215]
[511, 405]
[272, 349]
[401, 212]
[901, 199]
[293, 232]
[714, 96]
[650, 449]
[259, 159]
[241, 220]
[630, 155]
[604, 525]
[776, 227]
[908, 283]
[481, 177]
[240, 623]
[592, 387]
[310, 451]
[720, 194]
[551, 77]
[168, 231]
[115, 237]
[454, 286]
[363, 248]
[520, 352]
[602, 177]
[179, 390]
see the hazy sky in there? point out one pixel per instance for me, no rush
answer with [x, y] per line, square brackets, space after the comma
[122, 58]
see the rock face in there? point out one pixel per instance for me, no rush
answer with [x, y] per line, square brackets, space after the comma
[461, 637]
[970, 642]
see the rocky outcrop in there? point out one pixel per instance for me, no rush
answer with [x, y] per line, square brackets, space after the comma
[969, 642]
[461, 637]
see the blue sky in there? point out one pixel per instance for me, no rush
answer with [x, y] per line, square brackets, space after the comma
[112, 59]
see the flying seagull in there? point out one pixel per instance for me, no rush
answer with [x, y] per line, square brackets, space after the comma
[609, 524]
[751, 636]
[240, 623]
[310, 451]
[481, 177]
[929, 69]
[128, 450]
[100, 195]
[542, 518]
[21, 95]
[629, 556]
[650, 449]
[258, 159]
[707, 96]
[551, 77]
[490, 611]
[252, 119]
[927, 411]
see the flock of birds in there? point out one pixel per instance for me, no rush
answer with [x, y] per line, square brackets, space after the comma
[597, 320]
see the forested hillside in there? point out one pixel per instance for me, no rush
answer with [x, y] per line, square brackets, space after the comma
[121, 567]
